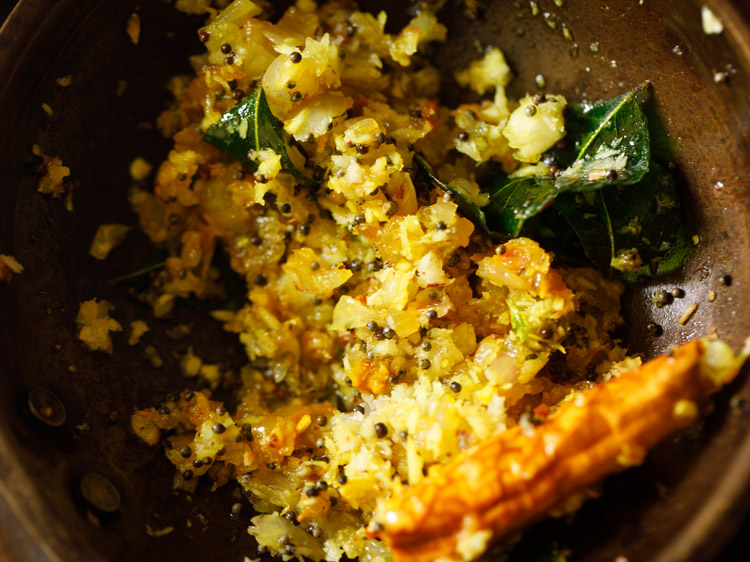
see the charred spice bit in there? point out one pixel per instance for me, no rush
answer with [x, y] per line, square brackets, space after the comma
[381, 430]
[390, 208]
[591, 373]
[247, 431]
[726, 280]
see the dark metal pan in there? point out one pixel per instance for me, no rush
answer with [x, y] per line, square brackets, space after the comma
[680, 505]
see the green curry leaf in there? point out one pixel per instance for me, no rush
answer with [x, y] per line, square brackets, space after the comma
[517, 199]
[469, 208]
[512, 202]
[617, 202]
[612, 143]
[250, 125]
[634, 229]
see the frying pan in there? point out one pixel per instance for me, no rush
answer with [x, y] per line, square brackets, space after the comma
[680, 505]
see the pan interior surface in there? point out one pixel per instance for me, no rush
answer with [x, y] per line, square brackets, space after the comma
[679, 505]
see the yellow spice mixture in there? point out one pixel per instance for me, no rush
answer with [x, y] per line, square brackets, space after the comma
[384, 334]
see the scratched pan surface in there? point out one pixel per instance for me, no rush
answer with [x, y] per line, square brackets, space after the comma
[681, 505]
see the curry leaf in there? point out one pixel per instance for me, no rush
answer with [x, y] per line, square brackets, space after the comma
[621, 206]
[469, 208]
[512, 202]
[250, 125]
[635, 229]
[516, 200]
[611, 140]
